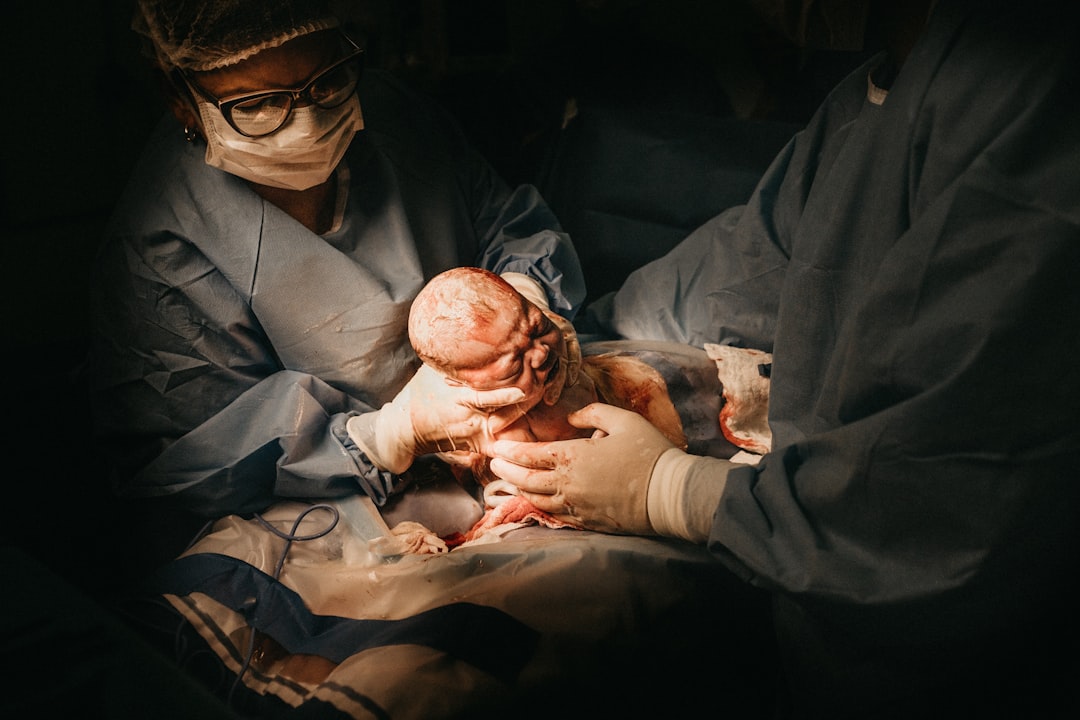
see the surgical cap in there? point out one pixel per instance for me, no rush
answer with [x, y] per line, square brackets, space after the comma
[203, 35]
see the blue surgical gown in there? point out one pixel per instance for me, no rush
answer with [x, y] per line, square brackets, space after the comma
[231, 344]
[912, 266]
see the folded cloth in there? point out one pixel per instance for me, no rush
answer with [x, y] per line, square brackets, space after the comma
[744, 414]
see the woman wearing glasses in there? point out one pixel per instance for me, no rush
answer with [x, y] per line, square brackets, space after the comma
[253, 291]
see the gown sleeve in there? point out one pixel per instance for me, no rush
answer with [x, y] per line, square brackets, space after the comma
[198, 412]
[945, 457]
[911, 267]
[925, 434]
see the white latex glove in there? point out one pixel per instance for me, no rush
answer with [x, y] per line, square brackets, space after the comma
[570, 365]
[684, 494]
[602, 482]
[432, 415]
[408, 538]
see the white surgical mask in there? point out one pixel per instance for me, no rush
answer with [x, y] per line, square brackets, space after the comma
[300, 155]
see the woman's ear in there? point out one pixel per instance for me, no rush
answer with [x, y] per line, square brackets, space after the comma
[183, 112]
[179, 101]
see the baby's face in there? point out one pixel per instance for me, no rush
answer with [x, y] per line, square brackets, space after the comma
[522, 349]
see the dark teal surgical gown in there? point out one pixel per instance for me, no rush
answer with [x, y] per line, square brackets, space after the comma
[914, 267]
[231, 344]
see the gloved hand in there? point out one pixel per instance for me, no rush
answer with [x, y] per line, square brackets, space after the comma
[600, 483]
[432, 415]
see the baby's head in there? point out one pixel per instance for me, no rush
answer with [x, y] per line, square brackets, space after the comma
[475, 328]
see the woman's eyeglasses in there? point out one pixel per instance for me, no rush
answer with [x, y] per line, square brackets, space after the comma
[262, 113]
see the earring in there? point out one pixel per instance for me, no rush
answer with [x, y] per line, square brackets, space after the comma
[190, 133]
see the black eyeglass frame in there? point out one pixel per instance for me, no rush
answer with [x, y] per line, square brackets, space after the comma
[226, 104]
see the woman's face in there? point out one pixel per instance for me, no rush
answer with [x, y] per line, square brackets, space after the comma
[287, 66]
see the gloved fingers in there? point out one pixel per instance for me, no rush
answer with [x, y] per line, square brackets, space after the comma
[604, 418]
[447, 417]
[498, 492]
[430, 415]
[527, 471]
[532, 466]
[541, 487]
[461, 438]
[554, 505]
[460, 458]
[498, 420]
[428, 386]
[489, 400]
[523, 456]
[609, 420]
[600, 482]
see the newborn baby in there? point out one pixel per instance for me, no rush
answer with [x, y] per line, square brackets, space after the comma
[473, 327]
[477, 330]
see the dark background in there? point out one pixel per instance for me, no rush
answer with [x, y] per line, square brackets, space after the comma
[638, 120]
[79, 103]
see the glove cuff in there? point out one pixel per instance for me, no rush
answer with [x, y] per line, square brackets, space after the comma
[379, 436]
[684, 493]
